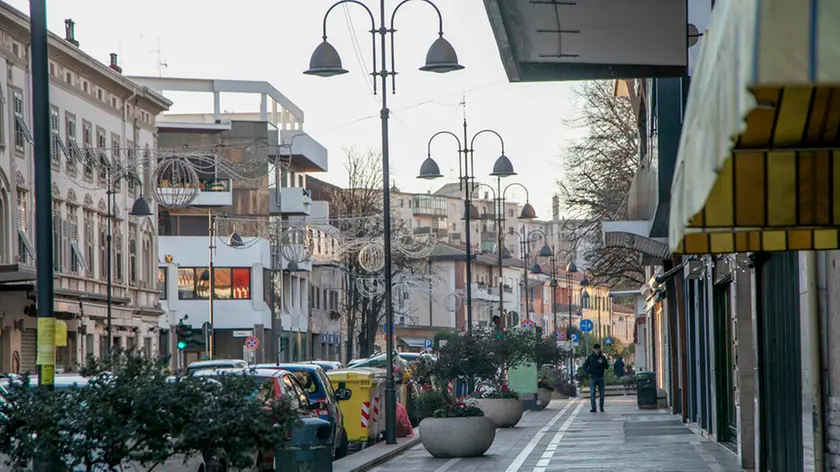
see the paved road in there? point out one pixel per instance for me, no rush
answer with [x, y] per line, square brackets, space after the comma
[567, 437]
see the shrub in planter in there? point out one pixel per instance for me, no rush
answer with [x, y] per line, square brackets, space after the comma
[456, 429]
[502, 405]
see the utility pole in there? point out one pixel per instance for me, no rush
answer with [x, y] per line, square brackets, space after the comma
[43, 192]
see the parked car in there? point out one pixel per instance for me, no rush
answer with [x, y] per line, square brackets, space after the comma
[216, 364]
[323, 400]
[279, 383]
[326, 365]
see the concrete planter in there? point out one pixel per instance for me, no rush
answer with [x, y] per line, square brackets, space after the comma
[457, 437]
[505, 412]
[544, 396]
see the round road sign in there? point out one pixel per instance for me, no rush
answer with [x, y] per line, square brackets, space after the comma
[586, 326]
[252, 343]
[561, 335]
[527, 324]
[608, 341]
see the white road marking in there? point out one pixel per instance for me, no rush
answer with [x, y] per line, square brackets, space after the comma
[448, 465]
[545, 460]
[523, 455]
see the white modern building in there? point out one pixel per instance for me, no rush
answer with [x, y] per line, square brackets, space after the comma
[240, 160]
[103, 127]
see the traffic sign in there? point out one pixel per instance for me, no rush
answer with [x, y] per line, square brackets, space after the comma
[607, 341]
[574, 337]
[428, 343]
[252, 343]
[561, 335]
[586, 326]
[527, 324]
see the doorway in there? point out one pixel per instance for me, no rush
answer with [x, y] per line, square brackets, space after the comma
[727, 424]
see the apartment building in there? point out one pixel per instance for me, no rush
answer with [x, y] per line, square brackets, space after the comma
[103, 128]
[244, 202]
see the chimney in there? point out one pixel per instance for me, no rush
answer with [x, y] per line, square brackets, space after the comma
[70, 32]
[113, 64]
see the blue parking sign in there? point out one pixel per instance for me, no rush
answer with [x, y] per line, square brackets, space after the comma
[428, 343]
[574, 337]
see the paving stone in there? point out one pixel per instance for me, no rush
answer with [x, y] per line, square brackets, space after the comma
[621, 439]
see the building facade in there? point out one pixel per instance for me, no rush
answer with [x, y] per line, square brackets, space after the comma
[232, 190]
[103, 137]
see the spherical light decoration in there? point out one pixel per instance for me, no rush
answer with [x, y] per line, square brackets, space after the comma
[296, 244]
[176, 182]
[452, 302]
[372, 257]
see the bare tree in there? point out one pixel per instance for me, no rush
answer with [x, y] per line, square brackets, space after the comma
[357, 213]
[599, 169]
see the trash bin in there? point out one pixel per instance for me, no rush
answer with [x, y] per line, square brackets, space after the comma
[377, 400]
[646, 390]
[357, 409]
[309, 449]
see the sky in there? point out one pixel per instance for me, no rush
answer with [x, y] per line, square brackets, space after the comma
[272, 40]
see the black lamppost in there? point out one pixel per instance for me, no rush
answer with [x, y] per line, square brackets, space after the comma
[524, 242]
[527, 213]
[325, 62]
[547, 251]
[209, 275]
[571, 269]
[140, 208]
[466, 175]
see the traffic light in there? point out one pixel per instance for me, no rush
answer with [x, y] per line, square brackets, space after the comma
[32, 308]
[188, 334]
[181, 332]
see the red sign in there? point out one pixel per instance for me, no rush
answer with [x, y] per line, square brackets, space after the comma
[252, 343]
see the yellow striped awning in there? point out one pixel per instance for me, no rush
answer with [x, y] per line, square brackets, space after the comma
[758, 167]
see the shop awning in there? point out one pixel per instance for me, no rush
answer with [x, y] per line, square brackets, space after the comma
[758, 166]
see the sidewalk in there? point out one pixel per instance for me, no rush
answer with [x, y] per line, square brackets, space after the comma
[566, 436]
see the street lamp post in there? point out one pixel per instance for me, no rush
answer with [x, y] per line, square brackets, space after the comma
[571, 269]
[466, 176]
[325, 62]
[139, 208]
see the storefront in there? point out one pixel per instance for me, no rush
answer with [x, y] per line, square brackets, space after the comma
[757, 172]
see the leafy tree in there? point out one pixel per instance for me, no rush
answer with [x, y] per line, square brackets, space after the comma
[131, 411]
[483, 354]
[548, 353]
[599, 169]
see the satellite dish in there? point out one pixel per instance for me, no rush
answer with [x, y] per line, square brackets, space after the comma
[693, 35]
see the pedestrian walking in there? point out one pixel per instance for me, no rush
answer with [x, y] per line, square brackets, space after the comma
[619, 367]
[596, 364]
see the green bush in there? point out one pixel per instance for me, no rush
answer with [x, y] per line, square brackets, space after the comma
[609, 377]
[428, 402]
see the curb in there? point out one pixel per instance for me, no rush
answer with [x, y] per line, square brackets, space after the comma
[389, 452]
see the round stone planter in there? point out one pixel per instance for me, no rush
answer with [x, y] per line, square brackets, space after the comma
[505, 412]
[544, 396]
[457, 437]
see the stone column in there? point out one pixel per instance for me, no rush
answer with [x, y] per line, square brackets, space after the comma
[745, 369]
[832, 368]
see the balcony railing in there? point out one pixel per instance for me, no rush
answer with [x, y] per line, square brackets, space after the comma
[205, 185]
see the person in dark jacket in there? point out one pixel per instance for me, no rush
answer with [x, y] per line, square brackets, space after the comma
[596, 364]
[619, 367]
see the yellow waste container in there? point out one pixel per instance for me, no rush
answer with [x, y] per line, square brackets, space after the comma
[358, 409]
[377, 400]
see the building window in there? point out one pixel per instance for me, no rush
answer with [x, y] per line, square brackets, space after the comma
[22, 134]
[26, 251]
[161, 282]
[102, 163]
[73, 154]
[57, 237]
[132, 165]
[132, 254]
[87, 141]
[90, 242]
[77, 258]
[99, 95]
[118, 252]
[103, 246]
[230, 283]
[56, 144]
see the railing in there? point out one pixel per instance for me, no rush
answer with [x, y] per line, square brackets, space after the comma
[205, 185]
